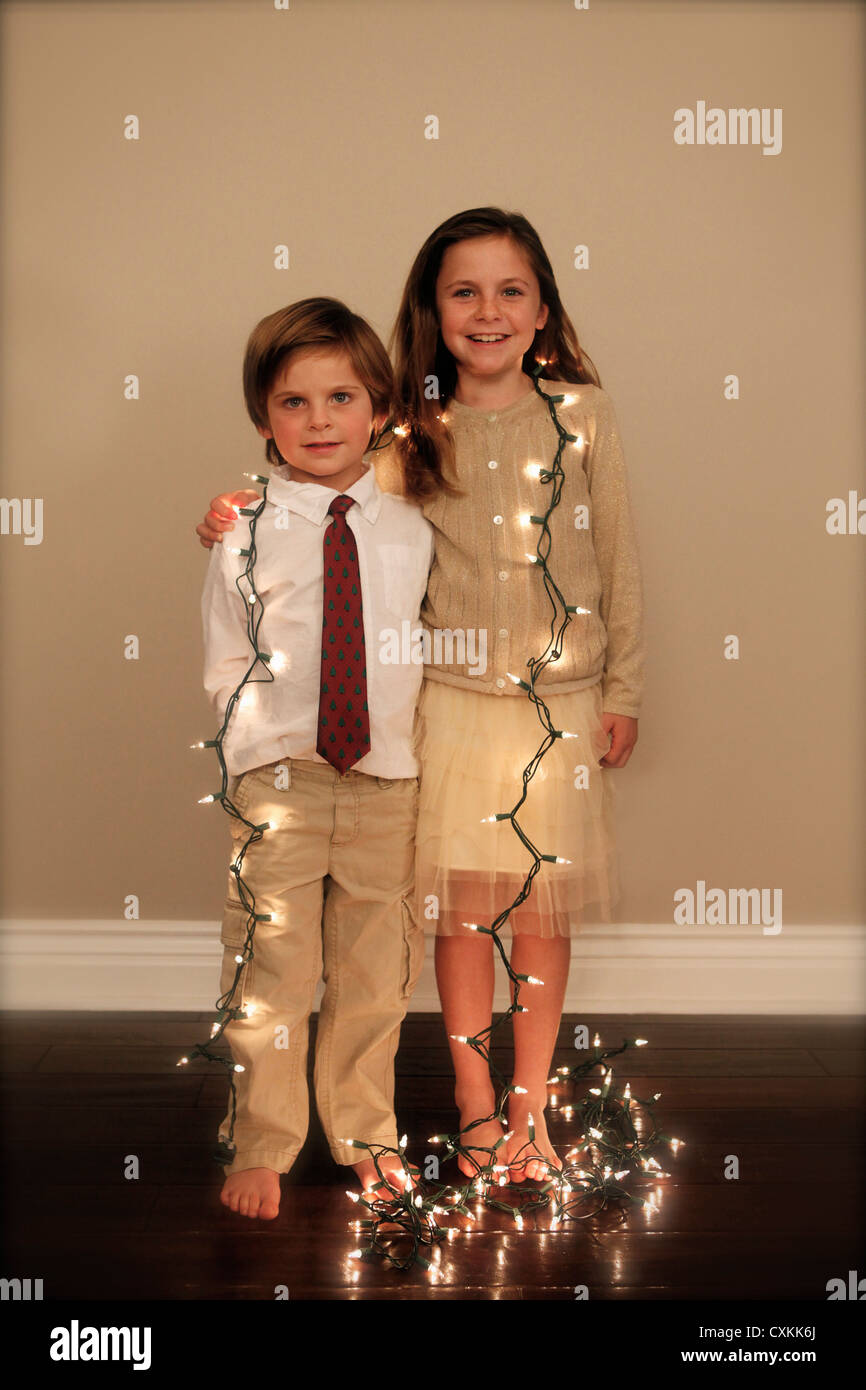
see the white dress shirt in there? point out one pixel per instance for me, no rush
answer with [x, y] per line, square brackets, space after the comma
[279, 719]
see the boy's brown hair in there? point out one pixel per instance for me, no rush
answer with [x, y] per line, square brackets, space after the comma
[313, 324]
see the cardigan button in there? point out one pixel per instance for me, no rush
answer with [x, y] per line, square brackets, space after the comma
[497, 521]
[493, 464]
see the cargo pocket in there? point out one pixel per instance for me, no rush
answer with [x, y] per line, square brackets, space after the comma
[233, 935]
[414, 949]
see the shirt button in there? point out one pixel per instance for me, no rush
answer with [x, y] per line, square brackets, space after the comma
[503, 632]
[500, 682]
[497, 521]
[491, 419]
[493, 464]
[503, 574]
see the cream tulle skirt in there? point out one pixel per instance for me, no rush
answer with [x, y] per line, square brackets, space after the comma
[473, 749]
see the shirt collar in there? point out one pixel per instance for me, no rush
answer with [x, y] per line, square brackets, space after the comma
[312, 500]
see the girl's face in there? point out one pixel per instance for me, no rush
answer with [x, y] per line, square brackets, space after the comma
[489, 305]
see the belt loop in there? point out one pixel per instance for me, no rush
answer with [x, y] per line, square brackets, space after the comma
[283, 775]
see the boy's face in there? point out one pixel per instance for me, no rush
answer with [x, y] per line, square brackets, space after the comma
[489, 305]
[320, 418]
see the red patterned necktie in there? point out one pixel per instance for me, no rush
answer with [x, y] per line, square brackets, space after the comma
[344, 721]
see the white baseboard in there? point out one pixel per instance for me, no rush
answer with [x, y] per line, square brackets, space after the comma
[622, 968]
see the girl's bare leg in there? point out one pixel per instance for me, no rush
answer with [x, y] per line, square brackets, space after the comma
[464, 975]
[535, 1032]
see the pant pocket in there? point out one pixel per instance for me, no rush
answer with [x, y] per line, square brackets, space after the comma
[415, 948]
[233, 935]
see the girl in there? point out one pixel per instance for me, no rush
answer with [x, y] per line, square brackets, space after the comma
[480, 310]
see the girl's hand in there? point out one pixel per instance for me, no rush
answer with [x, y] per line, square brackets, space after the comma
[623, 733]
[221, 516]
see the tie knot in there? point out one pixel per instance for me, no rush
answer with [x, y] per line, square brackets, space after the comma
[341, 504]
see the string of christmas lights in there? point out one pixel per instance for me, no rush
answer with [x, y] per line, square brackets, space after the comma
[402, 1219]
[225, 1009]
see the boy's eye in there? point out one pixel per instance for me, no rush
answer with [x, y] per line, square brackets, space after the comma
[293, 401]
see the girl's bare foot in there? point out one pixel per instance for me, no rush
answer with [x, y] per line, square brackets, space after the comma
[526, 1159]
[253, 1192]
[480, 1138]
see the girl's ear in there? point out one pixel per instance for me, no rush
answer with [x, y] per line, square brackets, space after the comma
[266, 434]
[543, 316]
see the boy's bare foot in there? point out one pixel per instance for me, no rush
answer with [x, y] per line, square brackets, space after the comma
[253, 1192]
[396, 1181]
[482, 1137]
[393, 1171]
[526, 1159]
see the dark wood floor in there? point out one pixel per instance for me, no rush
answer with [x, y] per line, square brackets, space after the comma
[83, 1091]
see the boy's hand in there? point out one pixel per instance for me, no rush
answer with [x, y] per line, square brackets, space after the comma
[221, 516]
[623, 732]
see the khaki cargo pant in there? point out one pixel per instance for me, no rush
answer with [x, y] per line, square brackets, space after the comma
[336, 873]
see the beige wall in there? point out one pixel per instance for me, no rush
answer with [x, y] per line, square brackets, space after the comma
[155, 257]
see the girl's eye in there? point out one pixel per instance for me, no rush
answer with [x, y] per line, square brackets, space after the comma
[292, 401]
[344, 394]
[510, 290]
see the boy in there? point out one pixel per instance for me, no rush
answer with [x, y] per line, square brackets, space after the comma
[324, 753]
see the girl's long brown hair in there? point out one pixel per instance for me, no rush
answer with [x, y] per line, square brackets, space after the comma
[426, 449]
